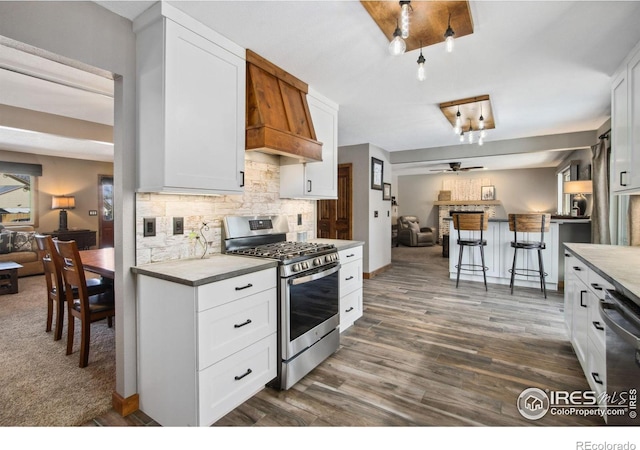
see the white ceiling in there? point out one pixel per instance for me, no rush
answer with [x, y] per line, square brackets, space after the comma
[547, 66]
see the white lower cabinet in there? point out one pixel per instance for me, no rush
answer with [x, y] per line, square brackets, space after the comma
[584, 289]
[350, 286]
[204, 350]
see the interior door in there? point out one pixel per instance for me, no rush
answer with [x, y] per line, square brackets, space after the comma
[106, 210]
[335, 217]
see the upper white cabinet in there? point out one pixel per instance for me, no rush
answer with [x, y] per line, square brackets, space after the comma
[315, 180]
[625, 125]
[191, 106]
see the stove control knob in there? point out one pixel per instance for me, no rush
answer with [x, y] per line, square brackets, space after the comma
[317, 262]
[296, 267]
[327, 258]
[305, 265]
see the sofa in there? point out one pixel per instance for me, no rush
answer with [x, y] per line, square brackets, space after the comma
[412, 235]
[18, 244]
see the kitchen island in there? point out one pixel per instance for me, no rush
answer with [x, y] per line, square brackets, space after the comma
[499, 253]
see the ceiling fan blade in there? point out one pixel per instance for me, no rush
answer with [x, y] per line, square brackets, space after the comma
[473, 168]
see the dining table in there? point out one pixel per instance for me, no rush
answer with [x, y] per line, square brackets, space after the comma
[100, 261]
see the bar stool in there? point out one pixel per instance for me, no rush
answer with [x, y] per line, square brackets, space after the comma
[529, 223]
[471, 221]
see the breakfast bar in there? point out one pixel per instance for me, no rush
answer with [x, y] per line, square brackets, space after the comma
[499, 253]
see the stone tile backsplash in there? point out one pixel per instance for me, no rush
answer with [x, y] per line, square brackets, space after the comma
[261, 197]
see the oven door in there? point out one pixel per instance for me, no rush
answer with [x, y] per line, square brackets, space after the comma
[310, 309]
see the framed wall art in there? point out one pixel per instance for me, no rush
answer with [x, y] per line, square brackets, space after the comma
[488, 193]
[377, 169]
[386, 191]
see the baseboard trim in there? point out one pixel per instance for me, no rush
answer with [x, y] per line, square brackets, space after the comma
[369, 275]
[125, 406]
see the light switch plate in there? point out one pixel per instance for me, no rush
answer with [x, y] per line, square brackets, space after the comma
[149, 226]
[178, 225]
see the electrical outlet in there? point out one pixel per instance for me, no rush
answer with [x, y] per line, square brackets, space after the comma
[149, 224]
[93, 212]
[178, 225]
[375, 214]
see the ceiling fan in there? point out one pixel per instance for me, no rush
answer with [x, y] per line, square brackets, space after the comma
[456, 167]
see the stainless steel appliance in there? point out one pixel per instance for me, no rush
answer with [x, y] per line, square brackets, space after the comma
[308, 291]
[622, 317]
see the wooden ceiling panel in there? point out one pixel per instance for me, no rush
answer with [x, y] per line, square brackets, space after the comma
[427, 21]
[470, 108]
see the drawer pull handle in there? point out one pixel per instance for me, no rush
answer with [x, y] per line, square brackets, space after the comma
[349, 310]
[577, 268]
[622, 173]
[351, 255]
[349, 278]
[244, 287]
[596, 286]
[567, 255]
[582, 300]
[598, 326]
[596, 377]
[240, 377]
[240, 325]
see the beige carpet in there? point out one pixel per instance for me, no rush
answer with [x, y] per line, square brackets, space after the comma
[39, 384]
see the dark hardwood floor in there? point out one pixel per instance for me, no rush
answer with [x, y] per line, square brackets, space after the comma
[426, 354]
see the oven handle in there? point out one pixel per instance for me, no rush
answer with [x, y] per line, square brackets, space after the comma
[624, 334]
[315, 276]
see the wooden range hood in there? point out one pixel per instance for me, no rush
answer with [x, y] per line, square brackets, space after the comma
[277, 116]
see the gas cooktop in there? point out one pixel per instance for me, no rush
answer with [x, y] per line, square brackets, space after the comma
[286, 251]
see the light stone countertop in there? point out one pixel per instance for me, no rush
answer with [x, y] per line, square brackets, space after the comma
[620, 265]
[341, 244]
[558, 221]
[196, 272]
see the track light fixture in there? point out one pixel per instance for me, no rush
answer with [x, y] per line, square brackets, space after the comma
[448, 36]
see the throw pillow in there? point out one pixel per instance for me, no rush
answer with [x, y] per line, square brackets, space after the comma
[24, 241]
[415, 227]
[5, 243]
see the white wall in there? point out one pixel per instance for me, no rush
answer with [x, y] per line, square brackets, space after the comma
[374, 231]
[88, 33]
[521, 190]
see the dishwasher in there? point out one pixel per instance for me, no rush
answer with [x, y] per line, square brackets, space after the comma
[622, 317]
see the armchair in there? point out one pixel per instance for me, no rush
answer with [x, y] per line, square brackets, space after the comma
[411, 234]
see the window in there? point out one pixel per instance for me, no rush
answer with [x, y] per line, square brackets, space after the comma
[18, 193]
[564, 200]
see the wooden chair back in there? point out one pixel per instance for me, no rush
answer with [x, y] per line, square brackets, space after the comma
[52, 264]
[529, 223]
[470, 221]
[73, 274]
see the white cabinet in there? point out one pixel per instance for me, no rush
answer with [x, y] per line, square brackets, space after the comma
[191, 106]
[584, 289]
[317, 180]
[625, 125]
[350, 286]
[203, 350]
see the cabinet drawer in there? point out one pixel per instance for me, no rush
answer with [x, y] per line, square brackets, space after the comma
[225, 291]
[350, 277]
[580, 270]
[598, 284]
[233, 326]
[233, 380]
[350, 309]
[597, 327]
[350, 254]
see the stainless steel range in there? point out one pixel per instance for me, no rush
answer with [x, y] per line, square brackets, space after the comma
[308, 291]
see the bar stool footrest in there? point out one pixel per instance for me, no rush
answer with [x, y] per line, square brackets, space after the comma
[472, 267]
[528, 272]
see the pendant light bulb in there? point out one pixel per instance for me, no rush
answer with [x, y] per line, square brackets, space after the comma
[470, 133]
[448, 36]
[458, 119]
[404, 18]
[481, 120]
[422, 75]
[397, 45]
[462, 136]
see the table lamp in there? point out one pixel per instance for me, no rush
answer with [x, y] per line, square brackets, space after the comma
[579, 188]
[63, 202]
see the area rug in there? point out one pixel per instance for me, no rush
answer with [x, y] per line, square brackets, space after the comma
[40, 385]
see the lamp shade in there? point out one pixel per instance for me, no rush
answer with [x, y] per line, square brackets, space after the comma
[63, 202]
[578, 187]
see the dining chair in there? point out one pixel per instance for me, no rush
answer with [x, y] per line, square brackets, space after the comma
[471, 221]
[87, 308]
[529, 223]
[52, 264]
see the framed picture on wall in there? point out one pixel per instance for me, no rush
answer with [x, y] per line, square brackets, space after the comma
[377, 168]
[386, 191]
[488, 193]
